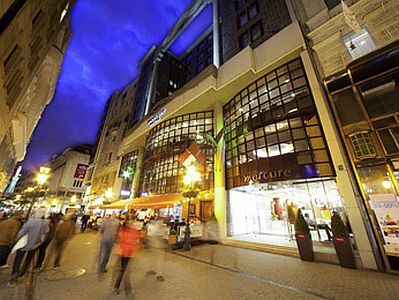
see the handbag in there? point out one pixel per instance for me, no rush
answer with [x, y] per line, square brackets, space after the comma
[22, 242]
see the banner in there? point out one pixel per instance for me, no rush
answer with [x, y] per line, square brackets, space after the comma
[350, 18]
[80, 171]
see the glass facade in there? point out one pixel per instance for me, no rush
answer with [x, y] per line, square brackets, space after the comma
[166, 142]
[277, 161]
[275, 117]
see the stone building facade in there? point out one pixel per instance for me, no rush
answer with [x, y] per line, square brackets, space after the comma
[33, 39]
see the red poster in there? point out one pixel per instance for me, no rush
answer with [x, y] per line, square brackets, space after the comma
[80, 171]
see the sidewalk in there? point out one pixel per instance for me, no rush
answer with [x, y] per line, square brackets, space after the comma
[307, 278]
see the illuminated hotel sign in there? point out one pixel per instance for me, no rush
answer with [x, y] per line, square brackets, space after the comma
[155, 118]
[268, 176]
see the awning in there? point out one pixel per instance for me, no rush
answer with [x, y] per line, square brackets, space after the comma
[155, 201]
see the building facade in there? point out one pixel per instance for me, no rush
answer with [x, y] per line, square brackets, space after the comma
[360, 74]
[104, 172]
[33, 39]
[68, 170]
[259, 113]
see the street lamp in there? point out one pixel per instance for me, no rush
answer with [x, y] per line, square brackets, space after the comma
[41, 179]
[191, 178]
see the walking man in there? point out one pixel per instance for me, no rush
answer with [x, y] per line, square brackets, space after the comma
[85, 219]
[109, 232]
[8, 233]
[62, 234]
[53, 223]
[36, 229]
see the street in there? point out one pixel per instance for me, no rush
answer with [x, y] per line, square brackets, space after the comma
[236, 274]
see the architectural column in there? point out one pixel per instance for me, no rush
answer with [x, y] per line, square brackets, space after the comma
[216, 34]
[346, 184]
[220, 195]
[137, 174]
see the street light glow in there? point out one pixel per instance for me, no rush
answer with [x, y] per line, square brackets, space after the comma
[109, 194]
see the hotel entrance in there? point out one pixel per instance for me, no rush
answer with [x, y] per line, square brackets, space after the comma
[266, 213]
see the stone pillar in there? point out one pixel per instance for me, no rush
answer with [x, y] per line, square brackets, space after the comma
[220, 201]
[347, 187]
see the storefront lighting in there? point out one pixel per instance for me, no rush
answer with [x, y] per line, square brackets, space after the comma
[73, 199]
[386, 184]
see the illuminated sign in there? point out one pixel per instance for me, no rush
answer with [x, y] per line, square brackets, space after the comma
[270, 175]
[155, 118]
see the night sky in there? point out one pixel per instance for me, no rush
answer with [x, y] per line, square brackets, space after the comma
[110, 37]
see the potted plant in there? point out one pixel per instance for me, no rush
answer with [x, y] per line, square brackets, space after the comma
[172, 239]
[303, 238]
[342, 242]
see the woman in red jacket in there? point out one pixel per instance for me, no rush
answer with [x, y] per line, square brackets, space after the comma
[128, 244]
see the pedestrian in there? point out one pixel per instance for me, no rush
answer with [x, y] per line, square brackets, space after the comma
[52, 221]
[84, 219]
[109, 232]
[158, 245]
[128, 242]
[36, 229]
[8, 233]
[62, 234]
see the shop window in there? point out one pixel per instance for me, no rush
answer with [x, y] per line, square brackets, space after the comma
[359, 44]
[381, 95]
[362, 145]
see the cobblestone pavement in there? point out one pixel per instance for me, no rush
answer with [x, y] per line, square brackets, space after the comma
[235, 274]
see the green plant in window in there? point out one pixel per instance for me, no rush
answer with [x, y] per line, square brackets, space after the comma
[301, 227]
[338, 227]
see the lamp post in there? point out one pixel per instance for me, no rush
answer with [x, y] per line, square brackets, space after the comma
[190, 180]
[41, 179]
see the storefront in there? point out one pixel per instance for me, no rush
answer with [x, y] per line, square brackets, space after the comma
[277, 161]
[365, 100]
[162, 173]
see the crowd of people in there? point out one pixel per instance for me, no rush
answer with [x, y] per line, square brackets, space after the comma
[30, 237]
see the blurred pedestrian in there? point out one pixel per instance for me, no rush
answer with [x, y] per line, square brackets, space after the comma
[36, 229]
[8, 233]
[158, 245]
[128, 242]
[52, 220]
[109, 232]
[62, 234]
[211, 235]
[85, 219]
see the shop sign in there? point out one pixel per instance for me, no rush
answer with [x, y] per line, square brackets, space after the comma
[270, 175]
[155, 118]
[80, 171]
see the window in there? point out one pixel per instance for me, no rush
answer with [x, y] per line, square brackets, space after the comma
[362, 145]
[244, 40]
[166, 142]
[252, 11]
[243, 19]
[380, 96]
[332, 3]
[240, 3]
[347, 107]
[390, 139]
[359, 44]
[275, 116]
[256, 31]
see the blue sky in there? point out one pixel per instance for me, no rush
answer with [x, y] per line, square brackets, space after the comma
[109, 39]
